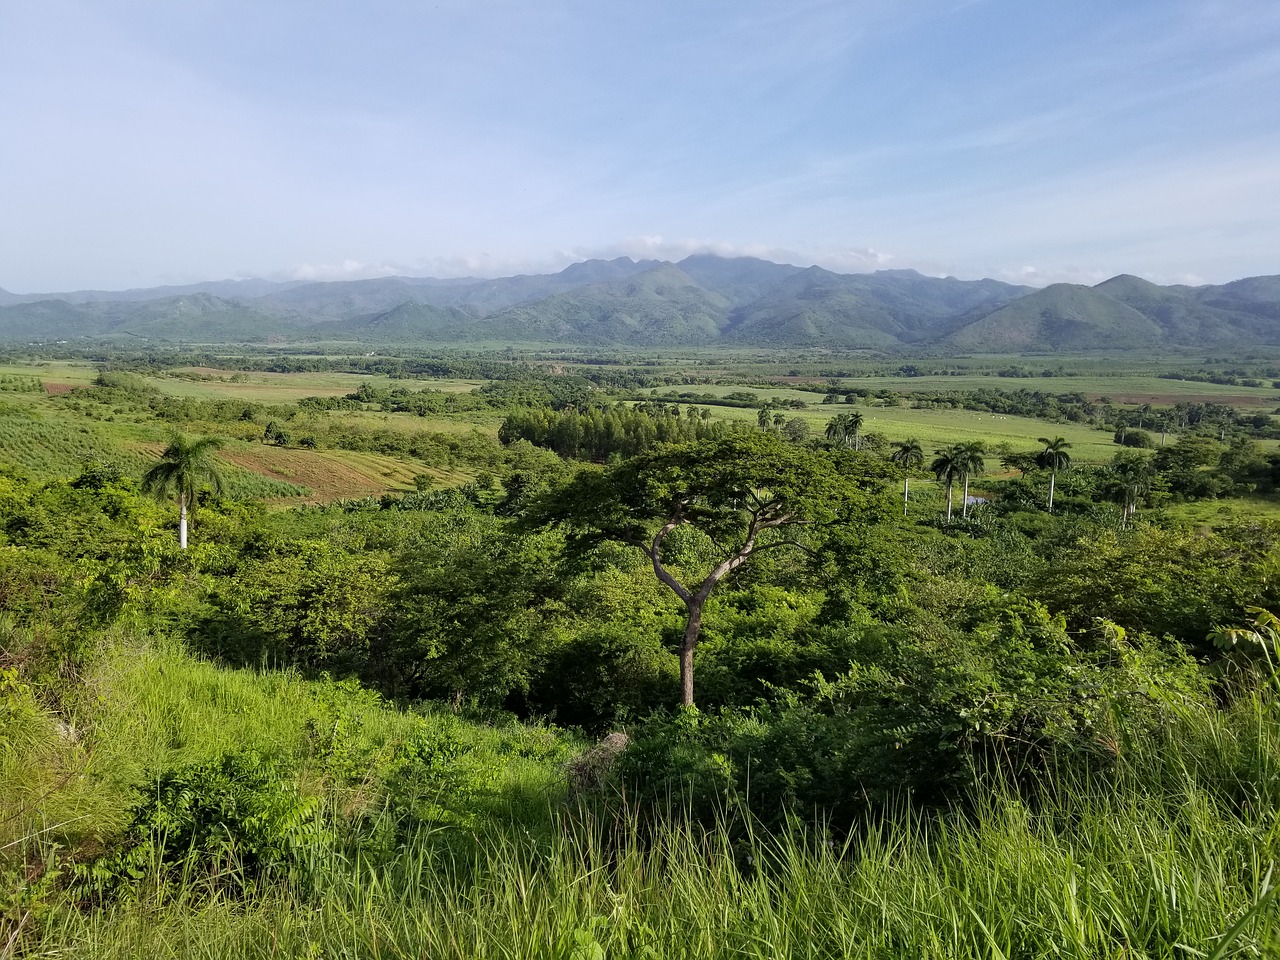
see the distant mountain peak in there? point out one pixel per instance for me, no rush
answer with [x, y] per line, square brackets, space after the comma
[600, 271]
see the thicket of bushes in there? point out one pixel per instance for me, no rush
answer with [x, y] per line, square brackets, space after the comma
[874, 690]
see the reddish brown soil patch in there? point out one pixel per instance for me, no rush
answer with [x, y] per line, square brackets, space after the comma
[328, 474]
[53, 389]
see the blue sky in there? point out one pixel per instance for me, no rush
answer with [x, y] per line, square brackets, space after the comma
[179, 140]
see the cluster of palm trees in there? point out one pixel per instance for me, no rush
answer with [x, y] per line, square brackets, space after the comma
[1130, 479]
[960, 461]
[845, 430]
[769, 418]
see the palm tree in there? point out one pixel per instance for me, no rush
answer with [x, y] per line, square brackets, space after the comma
[1130, 479]
[947, 466]
[908, 455]
[764, 416]
[843, 429]
[184, 467]
[855, 426]
[1053, 458]
[971, 463]
[838, 429]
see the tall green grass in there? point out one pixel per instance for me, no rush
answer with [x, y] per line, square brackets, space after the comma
[1169, 854]
[1123, 877]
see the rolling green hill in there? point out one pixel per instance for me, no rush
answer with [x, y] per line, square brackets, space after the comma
[661, 305]
[1062, 317]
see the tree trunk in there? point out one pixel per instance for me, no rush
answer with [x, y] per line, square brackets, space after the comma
[964, 511]
[182, 522]
[1053, 476]
[949, 483]
[691, 631]
[906, 486]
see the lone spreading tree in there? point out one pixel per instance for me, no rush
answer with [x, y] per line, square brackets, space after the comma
[741, 493]
[184, 467]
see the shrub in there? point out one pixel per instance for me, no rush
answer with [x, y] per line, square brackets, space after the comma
[434, 780]
[232, 823]
[1139, 439]
[605, 674]
[921, 717]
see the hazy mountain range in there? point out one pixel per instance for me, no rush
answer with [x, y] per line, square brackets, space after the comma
[702, 300]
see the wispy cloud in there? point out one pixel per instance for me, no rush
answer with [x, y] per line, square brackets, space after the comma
[182, 141]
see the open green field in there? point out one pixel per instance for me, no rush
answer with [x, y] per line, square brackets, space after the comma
[332, 474]
[1130, 390]
[71, 372]
[287, 387]
[1122, 389]
[1217, 513]
[936, 428]
[486, 421]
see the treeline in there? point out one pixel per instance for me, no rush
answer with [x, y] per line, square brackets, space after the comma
[604, 432]
[1230, 378]
[1075, 407]
[406, 364]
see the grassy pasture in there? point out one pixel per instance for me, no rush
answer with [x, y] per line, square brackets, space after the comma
[1132, 390]
[72, 373]
[484, 421]
[1219, 513]
[1123, 389]
[287, 387]
[935, 428]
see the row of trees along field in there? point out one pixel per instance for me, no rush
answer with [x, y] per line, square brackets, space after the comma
[1020, 732]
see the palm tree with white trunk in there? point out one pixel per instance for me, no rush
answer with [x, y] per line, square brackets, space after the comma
[1053, 458]
[184, 468]
[908, 455]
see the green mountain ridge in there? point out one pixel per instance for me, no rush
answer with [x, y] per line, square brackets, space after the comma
[702, 300]
[1060, 317]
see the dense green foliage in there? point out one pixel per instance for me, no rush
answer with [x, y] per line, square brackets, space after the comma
[600, 433]
[363, 727]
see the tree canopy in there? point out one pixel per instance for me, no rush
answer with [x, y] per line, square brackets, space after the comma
[740, 493]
